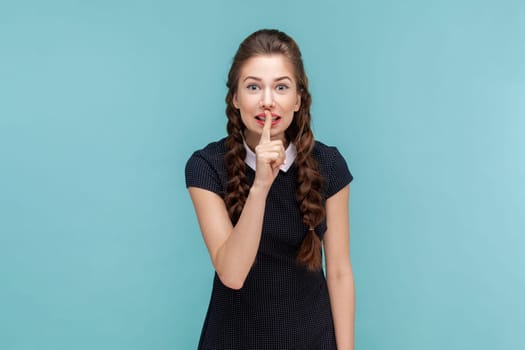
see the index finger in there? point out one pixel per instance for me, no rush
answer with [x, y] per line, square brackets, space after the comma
[265, 136]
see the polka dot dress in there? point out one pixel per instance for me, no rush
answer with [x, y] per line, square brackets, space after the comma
[281, 305]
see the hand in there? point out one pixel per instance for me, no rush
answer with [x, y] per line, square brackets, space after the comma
[270, 155]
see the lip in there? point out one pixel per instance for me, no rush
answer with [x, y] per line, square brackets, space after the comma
[262, 115]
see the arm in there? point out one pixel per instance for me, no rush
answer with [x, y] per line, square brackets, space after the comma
[233, 249]
[339, 273]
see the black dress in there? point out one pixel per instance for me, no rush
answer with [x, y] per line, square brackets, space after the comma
[281, 305]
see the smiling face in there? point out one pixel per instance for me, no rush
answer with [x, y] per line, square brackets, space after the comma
[266, 83]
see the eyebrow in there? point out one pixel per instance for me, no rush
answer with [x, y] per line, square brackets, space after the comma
[259, 79]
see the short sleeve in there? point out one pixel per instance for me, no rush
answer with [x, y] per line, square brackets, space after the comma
[201, 173]
[339, 175]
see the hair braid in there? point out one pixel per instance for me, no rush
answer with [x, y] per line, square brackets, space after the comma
[237, 186]
[308, 192]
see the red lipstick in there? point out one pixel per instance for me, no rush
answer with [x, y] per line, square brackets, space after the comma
[260, 118]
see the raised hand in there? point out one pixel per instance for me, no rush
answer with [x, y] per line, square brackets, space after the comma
[270, 155]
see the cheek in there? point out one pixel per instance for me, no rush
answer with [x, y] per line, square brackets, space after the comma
[292, 105]
[245, 114]
[247, 103]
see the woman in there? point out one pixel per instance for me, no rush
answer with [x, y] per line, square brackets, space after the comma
[266, 196]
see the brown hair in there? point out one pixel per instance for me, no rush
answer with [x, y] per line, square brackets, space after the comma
[271, 42]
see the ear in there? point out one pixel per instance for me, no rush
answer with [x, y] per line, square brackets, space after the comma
[298, 103]
[235, 102]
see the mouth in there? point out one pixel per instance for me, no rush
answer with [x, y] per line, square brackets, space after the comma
[262, 118]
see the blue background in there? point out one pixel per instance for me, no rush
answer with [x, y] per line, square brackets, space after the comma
[102, 102]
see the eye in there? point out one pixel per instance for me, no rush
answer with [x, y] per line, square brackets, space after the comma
[282, 87]
[252, 87]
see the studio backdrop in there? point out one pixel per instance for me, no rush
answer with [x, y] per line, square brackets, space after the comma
[102, 103]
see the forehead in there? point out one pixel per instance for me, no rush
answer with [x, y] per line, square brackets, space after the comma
[267, 67]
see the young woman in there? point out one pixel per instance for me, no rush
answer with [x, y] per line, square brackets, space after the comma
[267, 198]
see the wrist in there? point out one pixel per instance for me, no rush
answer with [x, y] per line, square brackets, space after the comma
[259, 189]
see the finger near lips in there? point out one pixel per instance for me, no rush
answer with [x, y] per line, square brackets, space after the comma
[265, 136]
[271, 152]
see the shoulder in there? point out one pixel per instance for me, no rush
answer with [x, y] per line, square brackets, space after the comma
[206, 164]
[212, 154]
[322, 147]
[332, 167]
[325, 154]
[213, 151]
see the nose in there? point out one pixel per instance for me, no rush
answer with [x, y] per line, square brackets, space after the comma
[267, 100]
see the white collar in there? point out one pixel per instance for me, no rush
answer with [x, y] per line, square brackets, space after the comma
[291, 153]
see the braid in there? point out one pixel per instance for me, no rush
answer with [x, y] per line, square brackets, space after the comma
[308, 190]
[237, 186]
